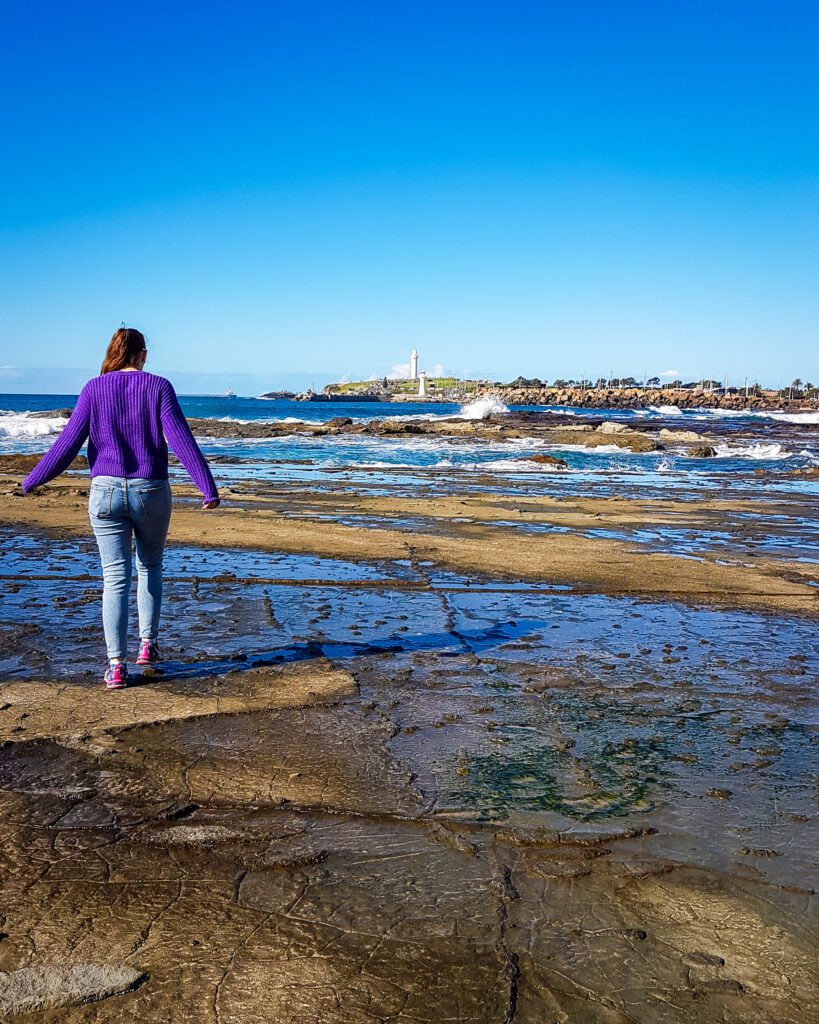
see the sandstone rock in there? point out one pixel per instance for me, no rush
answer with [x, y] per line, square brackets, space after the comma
[25, 463]
[703, 451]
[49, 414]
[339, 421]
[679, 435]
[547, 460]
[33, 989]
[610, 427]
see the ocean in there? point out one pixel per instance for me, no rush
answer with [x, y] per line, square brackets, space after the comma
[776, 443]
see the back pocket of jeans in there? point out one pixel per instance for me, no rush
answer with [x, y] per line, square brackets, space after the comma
[99, 501]
[155, 500]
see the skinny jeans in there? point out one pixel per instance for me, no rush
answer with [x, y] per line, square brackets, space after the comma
[123, 510]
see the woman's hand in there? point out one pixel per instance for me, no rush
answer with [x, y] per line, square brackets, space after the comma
[208, 505]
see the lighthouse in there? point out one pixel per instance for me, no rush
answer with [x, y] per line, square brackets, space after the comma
[422, 385]
[414, 364]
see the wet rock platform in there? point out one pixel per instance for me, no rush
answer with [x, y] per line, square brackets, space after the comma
[391, 791]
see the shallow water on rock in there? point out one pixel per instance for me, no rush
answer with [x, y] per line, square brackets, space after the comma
[386, 791]
[383, 791]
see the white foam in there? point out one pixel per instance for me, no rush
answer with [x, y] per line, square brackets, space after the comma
[758, 450]
[592, 449]
[483, 408]
[512, 466]
[428, 416]
[795, 417]
[781, 417]
[378, 465]
[666, 410]
[24, 425]
[280, 419]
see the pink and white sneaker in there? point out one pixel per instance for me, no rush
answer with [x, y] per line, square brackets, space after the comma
[116, 675]
[148, 653]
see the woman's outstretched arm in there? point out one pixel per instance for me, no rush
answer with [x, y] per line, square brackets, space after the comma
[183, 443]
[67, 446]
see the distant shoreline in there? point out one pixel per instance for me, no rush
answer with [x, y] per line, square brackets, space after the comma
[641, 398]
[588, 398]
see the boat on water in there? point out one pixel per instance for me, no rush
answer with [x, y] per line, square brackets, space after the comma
[230, 393]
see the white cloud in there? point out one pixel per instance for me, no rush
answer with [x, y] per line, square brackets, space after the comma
[438, 370]
[671, 374]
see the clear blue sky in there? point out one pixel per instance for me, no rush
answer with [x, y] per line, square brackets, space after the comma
[276, 192]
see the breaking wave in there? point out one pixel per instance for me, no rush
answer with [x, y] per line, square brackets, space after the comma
[483, 408]
[794, 417]
[781, 417]
[507, 466]
[666, 410]
[752, 451]
[21, 424]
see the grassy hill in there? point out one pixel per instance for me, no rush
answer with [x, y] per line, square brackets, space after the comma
[435, 385]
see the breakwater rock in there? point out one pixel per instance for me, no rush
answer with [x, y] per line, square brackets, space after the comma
[642, 398]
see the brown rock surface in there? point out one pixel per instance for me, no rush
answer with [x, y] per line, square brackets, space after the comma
[547, 460]
[25, 463]
[392, 775]
[32, 989]
[582, 559]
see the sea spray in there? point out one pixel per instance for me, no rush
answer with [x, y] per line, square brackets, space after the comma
[666, 410]
[509, 466]
[483, 408]
[23, 425]
[757, 450]
[795, 417]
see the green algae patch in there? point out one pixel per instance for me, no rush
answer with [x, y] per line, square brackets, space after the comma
[543, 779]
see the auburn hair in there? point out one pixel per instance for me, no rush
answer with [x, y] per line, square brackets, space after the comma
[124, 347]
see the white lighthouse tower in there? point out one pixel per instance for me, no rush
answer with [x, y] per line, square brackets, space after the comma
[422, 385]
[414, 364]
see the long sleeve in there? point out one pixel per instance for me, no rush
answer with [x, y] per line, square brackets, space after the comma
[67, 446]
[176, 430]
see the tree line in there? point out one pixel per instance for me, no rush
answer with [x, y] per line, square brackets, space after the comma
[796, 389]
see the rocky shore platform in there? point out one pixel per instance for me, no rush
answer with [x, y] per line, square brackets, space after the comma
[559, 430]
[416, 758]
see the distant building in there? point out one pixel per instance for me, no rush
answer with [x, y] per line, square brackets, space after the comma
[422, 384]
[414, 364]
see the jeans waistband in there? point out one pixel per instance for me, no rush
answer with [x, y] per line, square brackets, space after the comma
[125, 481]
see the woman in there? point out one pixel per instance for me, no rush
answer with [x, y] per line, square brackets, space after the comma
[126, 414]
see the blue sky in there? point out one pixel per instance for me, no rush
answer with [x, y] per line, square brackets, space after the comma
[280, 193]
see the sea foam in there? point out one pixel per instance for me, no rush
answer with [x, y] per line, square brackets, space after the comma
[757, 450]
[21, 424]
[483, 408]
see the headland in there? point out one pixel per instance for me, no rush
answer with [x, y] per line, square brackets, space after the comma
[587, 396]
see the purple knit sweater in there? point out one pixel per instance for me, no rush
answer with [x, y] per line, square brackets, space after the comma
[126, 416]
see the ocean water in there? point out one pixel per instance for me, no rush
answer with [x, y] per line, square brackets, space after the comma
[777, 443]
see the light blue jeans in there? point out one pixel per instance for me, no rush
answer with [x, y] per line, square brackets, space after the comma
[121, 510]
